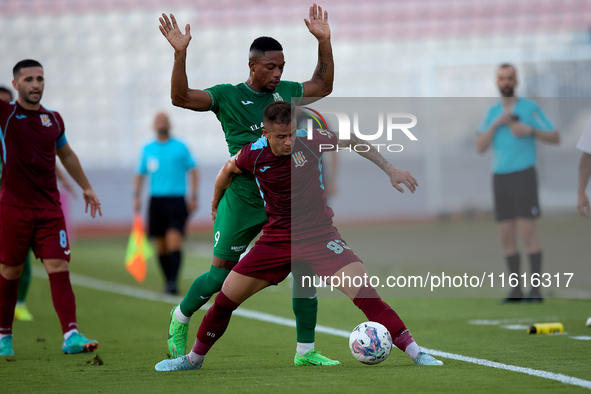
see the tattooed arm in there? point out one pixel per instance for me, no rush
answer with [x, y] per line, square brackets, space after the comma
[396, 175]
[321, 83]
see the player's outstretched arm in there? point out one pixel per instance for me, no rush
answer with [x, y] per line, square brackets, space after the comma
[223, 182]
[321, 83]
[396, 175]
[72, 165]
[584, 175]
[181, 95]
[65, 183]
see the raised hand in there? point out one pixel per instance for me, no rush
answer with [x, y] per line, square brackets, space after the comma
[171, 31]
[91, 200]
[318, 24]
[398, 176]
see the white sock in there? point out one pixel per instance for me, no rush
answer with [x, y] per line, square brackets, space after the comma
[69, 333]
[180, 317]
[2, 336]
[412, 350]
[195, 359]
[304, 348]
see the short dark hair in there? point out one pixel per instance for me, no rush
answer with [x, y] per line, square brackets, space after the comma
[263, 44]
[6, 90]
[507, 65]
[24, 64]
[278, 112]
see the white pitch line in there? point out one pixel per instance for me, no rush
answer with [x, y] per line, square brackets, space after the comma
[131, 291]
[534, 372]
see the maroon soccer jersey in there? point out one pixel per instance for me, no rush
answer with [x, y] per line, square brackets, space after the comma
[28, 173]
[291, 186]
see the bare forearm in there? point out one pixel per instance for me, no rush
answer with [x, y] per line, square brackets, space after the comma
[179, 84]
[584, 172]
[324, 73]
[138, 182]
[371, 154]
[194, 183]
[72, 165]
[222, 182]
[484, 140]
[552, 137]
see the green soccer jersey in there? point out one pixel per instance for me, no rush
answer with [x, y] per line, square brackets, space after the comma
[239, 109]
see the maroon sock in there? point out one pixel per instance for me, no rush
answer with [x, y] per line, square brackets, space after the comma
[63, 299]
[214, 323]
[375, 309]
[8, 296]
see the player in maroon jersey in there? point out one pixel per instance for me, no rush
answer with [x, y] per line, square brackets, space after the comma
[285, 164]
[30, 211]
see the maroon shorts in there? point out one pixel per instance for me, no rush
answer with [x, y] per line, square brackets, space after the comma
[43, 230]
[272, 257]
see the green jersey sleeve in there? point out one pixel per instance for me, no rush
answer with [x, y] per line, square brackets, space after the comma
[218, 95]
[296, 90]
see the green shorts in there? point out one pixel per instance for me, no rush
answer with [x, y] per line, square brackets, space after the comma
[240, 217]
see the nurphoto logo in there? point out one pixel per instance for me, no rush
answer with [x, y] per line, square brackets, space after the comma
[394, 122]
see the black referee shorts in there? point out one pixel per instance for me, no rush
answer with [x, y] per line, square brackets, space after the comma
[516, 195]
[166, 213]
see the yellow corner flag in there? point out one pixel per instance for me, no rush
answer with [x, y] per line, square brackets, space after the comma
[139, 250]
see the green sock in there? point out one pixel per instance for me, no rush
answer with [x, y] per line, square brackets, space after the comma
[202, 289]
[305, 309]
[23, 284]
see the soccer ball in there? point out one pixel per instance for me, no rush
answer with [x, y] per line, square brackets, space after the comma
[370, 343]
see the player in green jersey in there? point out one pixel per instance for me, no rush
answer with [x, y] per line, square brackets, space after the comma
[241, 214]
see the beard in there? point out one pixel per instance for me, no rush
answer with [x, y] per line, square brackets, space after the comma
[507, 92]
[27, 98]
[163, 133]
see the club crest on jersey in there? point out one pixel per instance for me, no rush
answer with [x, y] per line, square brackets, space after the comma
[277, 97]
[45, 121]
[299, 159]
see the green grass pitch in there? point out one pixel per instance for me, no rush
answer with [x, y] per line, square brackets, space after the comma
[255, 356]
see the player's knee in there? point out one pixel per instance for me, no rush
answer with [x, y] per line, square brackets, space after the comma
[55, 265]
[222, 263]
[11, 273]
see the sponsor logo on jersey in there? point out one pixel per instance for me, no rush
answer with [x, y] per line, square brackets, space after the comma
[256, 126]
[277, 97]
[246, 102]
[21, 116]
[240, 248]
[45, 121]
[299, 159]
[265, 168]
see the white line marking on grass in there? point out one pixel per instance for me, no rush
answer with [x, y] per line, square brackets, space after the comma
[515, 327]
[529, 371]
[131, 291]
[582, 338]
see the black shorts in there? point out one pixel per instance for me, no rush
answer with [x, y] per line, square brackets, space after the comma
[166, 213]
[516, 195]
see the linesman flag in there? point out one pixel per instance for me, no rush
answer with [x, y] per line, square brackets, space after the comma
[139, 250]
